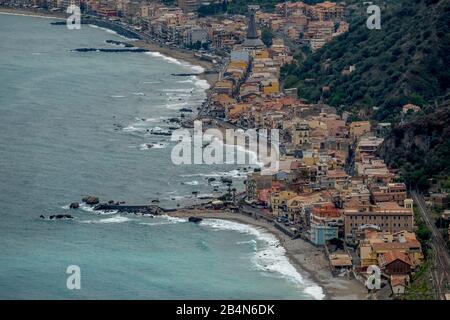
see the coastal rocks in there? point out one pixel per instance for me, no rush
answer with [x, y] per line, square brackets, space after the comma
[74, 205]
[185, 110]
[58, 217]
[183, 74]
[61, 216]
[226, 180]
[110, 50]
[90, 200]
[104, 24]
[160, 132]
[143, 209]
[195, 219]
[174, 120]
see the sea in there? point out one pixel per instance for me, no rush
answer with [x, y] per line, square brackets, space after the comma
[80, 123]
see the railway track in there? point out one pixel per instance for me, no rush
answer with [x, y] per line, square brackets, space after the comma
[440, 275]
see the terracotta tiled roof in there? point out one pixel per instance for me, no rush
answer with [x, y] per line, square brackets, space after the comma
[391, 256]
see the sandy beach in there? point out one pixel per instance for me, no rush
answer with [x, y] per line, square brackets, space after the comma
[309, 260]
[182, 55]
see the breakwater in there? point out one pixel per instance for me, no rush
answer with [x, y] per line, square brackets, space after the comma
[121, 30]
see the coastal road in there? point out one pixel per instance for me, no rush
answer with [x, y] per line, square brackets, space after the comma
[441, 276]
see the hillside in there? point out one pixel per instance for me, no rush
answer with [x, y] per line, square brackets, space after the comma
[421, 147]
[406, 61]
[241, 6]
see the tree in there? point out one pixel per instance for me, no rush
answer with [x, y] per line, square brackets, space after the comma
[266, 36]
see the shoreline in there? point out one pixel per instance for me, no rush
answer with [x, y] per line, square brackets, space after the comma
[307, 259]
[33, 13]
[182, 55]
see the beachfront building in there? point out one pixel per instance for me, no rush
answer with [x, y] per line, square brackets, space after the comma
[325, 221]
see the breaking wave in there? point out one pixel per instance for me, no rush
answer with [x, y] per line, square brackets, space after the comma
[271, 257]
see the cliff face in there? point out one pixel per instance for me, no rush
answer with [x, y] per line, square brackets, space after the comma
[420, 148]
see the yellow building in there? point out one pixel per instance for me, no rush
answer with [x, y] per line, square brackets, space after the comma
[378, 243]
[358, 129]
[261, 54]
[270, 87]
[278, 201]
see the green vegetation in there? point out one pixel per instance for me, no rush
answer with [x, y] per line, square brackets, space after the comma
[423, 233]
[266, 36]
[212, 9]
[404, 62]
[241, 6]
[420, 287]
[421, 147]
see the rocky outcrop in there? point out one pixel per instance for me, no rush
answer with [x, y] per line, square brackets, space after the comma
[74, 205]
[57, 216]
[90, 200]
[195, 219]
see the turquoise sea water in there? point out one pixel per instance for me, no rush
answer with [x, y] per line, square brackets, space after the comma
[73, 124]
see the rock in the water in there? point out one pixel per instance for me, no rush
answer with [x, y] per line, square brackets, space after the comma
[111, 202]
[195, 219]
[91, 200]
[42, 216]
[61, 216]
[74, 205]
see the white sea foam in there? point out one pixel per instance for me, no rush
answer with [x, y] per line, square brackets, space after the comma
[138, 93]
[116, 219]
[271, 258]
[201, 83]
[164, 219]
[170, 91]
[204, 195]
[117, 96]
[111, 32]
[194, 68]
[151, 82]
[236, 174]
[253, 241]
[176, 106]
[148, 119]
[166, 58]
[134, 128]
[191, 183]
[90, 209]
[190, 80]
[148, 146]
